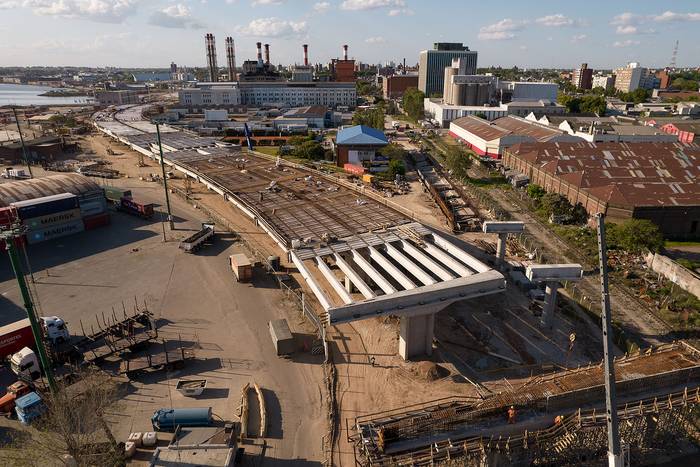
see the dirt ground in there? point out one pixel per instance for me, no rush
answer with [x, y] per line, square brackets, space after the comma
[506, 342]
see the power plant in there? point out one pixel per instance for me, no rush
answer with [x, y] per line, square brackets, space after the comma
[231, 59]
[211, 58]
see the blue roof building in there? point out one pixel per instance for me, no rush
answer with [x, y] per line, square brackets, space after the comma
[358, 145]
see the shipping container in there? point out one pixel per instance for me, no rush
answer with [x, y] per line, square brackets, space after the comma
[93, 222]
[46, 205]
[114, 194]
[282, 337]
[169, 419]
[241, 267]
[7, 215]
[56, 231]
[130, 206]
[44, 222]
[14, 337]
[93, 207]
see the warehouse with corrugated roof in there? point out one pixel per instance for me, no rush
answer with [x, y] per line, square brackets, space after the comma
[24, 190]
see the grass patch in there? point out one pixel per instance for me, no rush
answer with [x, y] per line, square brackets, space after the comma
[680, 244]
[269, 150]
[404, 118]
[490, 181]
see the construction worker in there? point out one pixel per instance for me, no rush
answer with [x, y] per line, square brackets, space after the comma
[511, 414]
[558, 420]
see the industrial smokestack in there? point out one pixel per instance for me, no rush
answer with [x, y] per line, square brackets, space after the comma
[211, 57]
[306, 54]
[345, 52]
[404, 65]
[231, 58]
[267, 54]
[260, 60]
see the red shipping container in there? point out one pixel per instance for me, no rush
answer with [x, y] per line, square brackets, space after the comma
[7, 215]
[354, 169]
[98, 220]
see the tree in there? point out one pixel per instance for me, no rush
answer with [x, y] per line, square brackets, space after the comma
[73, 425]
[555, 204]
[396, 167]
[535, 191]
[570, 102]
[593, 103]
[298, 140]
[412, 103]
[371, 117]
[635, 235]
[393, 151]
[309, 150]
[599, 90]
[458, 162]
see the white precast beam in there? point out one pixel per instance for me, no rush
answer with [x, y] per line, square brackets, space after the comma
[333, 281]
[376, 276]
[457, 252]
[354, 277]
[410, 266]
[315, 288]
[447, 260]
[441, 272]
[389, 267]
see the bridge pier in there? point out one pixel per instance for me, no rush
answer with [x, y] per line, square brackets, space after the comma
[416, 335]
[550, 302]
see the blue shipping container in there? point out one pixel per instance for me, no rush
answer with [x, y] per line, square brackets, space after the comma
[56, 231]
[169, 419]
[46, 205]
[93, 207]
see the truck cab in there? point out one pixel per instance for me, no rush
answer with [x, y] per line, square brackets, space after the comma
[55, 329]
[25, 364]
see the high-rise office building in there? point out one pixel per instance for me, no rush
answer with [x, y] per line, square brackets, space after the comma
[582, 77]
[432, 64]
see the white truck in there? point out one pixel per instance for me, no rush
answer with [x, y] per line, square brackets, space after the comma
[197, 240]
[25, 363]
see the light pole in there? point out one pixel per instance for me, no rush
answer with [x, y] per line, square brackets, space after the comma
[21, 139]
[165, 180]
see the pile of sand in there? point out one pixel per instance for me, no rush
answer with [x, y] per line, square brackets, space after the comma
[429, 371]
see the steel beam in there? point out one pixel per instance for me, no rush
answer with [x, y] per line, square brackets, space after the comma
[459, 253]
[409, 265]
[428, 262]
[354, 277]
[315, 288]
[389, 267]
[333, 281]
[448, 260]
[375, 275]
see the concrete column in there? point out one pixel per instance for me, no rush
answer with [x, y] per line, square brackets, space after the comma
[501, 246]
[416, 336]
[348, 284]
[550, 303]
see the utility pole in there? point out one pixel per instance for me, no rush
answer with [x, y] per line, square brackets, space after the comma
[614, 454]
[21, 139]
[165, 180]
[29, 306]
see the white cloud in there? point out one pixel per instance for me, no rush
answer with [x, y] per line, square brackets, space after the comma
[627, 18]
[670, 16]
[375, 40]
[8, 5]
[370, 4]
[175, 16]
[556, 21]
[321, 7]
[626, 29]
[502, 30]
[579, 38]
[627, 43]
[106, 11]
[401, 11]
[272, 27]
[266, 2]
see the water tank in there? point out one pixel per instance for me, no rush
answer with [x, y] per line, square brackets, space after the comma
[169, 419]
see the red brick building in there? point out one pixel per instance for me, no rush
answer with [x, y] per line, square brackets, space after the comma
[395, 86]
[654, 181]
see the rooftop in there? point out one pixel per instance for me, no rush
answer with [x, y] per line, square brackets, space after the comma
[505, 126]
[360, 134]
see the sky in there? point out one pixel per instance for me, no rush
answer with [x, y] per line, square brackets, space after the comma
[526, 33]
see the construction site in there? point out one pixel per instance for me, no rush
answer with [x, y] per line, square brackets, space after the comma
[497, 377]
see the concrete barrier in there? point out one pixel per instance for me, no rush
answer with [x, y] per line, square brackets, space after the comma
[685, 278]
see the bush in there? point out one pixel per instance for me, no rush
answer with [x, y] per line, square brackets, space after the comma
[396, 167]
[309, 150]
[371, 117]
[535, 191]
[393, 151]
[635, 236]
[457, 161]
[412, 103]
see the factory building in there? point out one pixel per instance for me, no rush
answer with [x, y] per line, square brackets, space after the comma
[53, 206]
[210, 95]
[394, 86]
[358, 145]
[527, 91]
[432, 64]
[461, 88]
[343, 71]
[117, 97]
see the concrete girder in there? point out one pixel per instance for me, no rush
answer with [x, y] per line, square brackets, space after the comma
[503, 227]
[409, 265]
[554, 272]
[354, 277]
[428, 262]
[375, 275]
[448, 260]
[421, 301]
[333, 281]
[315, 288]
[459, 253]
[389, 267]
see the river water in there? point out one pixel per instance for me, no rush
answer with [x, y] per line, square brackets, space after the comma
[24, 95]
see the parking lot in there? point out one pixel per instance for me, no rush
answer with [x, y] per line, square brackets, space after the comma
[195, 300]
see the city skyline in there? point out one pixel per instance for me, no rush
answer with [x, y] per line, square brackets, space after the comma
[547, 34]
